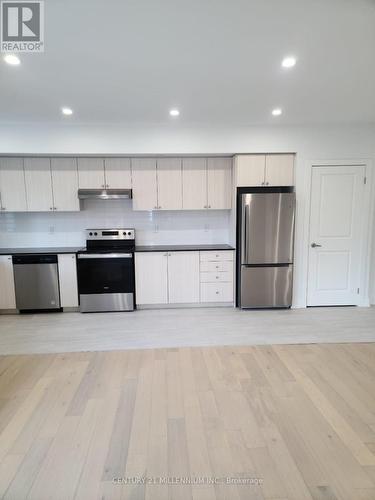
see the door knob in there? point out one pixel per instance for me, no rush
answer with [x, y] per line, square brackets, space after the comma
[315, 245]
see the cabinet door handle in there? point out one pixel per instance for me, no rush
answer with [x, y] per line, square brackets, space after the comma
[267, 183]
[51, 208]
[155, 208]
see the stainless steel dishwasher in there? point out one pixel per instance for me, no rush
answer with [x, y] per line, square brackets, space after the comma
[36, 281]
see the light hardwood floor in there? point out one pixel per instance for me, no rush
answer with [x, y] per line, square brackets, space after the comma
[71, 332]
[299, 418]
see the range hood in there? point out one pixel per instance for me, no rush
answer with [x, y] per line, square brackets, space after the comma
[105, 194]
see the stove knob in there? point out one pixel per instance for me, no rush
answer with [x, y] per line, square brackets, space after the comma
[90, 234]
[129, 233]
[124, 233]
[95, 234]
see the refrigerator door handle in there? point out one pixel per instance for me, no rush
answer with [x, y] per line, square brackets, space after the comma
[244, 232]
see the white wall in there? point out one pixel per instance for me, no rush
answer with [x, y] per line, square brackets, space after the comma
[310, 143]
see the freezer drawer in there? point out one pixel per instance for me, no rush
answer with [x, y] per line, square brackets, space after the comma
[266, 286]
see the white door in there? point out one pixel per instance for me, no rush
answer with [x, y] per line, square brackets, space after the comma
[151, 278]
[250, 170]
[117, 173]
[194, 183]
[183, 277]
[279, 170]
[169, 180]
[91, 173]
[65, 184]
[7, 293]
[12, 185]
[219, 183]
[38, 184]
[335, 235]
[68, 280]
[144, 184]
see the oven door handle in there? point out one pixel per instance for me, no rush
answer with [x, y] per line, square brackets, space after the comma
[105, 255]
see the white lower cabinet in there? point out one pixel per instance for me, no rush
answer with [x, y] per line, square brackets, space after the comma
[151, 278]
[217, 292]
[190, 277]
[216, 276]
[7, 292]
[183, 277]
[68, 280]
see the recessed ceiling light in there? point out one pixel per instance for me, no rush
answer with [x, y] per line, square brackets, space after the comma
[174, 112]
[288, 62]
[67, 111]
[277, 112]
[12, 59]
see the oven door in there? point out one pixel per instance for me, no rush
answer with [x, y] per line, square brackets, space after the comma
[106, 282]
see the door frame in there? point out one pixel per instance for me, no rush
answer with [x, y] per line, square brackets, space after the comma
[366, 228]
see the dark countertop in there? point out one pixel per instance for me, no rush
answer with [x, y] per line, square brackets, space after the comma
[41, 250]
[181, 248]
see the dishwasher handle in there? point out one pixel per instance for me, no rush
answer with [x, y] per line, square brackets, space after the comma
[34, 259]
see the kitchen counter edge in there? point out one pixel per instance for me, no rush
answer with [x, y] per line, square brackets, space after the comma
[182, 248]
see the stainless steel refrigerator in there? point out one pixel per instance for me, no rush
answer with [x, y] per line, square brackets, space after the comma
[265, 245]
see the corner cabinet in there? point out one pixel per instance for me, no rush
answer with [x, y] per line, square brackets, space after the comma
[264, 170]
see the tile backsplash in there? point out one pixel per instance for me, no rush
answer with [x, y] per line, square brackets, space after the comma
[36, 229]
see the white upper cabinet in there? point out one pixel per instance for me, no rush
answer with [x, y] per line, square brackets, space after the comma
[151, 277]
[169, 182]
[91, 173]
[219, 183]
[250, 170]
[183, 277]
[7, 293]
[144, 184]
[264, 170]
[12, 185]
[194, 183]
[279, 170]
[38, 184]
[65, 184]
[117, 173]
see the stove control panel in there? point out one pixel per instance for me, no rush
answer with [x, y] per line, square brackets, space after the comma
[110, 234]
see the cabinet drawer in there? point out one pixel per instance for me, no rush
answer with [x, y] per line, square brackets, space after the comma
[216, 267]
[216, 292]
[223, 255]
[214, 277]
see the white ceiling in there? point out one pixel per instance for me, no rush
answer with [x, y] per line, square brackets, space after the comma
[218, 61]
